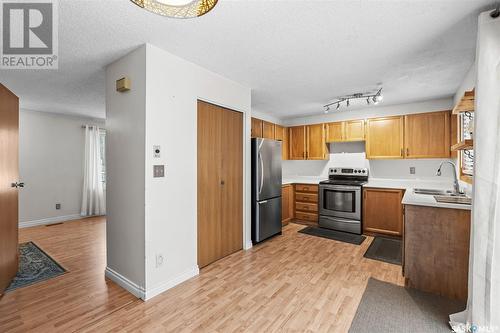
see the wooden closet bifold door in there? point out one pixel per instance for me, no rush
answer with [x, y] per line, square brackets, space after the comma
[220, 185]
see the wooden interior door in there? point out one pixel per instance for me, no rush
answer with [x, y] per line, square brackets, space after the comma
[9, 173]
[427, 135]
[384, 138]
[316, 145]
[354, 130]
[231, 182]
[297, 144]
[220, 182]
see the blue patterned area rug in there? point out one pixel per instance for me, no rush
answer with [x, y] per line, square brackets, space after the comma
[34, 266]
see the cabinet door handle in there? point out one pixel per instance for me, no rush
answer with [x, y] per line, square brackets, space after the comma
[407, 151]
[402, 153]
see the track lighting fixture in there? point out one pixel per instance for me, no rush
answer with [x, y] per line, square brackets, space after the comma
[496, 12]
[375, 97]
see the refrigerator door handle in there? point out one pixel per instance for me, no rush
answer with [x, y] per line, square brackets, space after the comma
[261, 167]
[262, 202]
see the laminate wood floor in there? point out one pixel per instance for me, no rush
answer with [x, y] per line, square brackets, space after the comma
[294, 283]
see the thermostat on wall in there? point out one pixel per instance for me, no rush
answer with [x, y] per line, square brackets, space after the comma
[123, 84]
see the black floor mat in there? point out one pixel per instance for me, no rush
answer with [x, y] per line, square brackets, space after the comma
[335, 235]
[385, 249]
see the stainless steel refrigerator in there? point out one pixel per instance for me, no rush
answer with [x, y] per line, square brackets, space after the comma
[266, 189]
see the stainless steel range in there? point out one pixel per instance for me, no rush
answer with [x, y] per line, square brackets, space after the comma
[340, 199]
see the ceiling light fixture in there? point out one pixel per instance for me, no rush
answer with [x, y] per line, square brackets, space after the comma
[376, 97]
[177, 8]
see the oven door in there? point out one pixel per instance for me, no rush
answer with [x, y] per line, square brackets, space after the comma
[340, 201]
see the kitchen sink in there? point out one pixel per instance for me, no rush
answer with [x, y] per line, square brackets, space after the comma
[432, 191]
[453, 199]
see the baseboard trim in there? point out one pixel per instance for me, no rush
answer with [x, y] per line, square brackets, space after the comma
[248, 245]
[50, 220]
[192, 272]
[125, 283]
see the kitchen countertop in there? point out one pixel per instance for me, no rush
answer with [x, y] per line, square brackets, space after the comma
[411, 198]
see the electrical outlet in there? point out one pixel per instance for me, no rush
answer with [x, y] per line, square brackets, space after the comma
[159, 260]
[58, 206]
[412, 170]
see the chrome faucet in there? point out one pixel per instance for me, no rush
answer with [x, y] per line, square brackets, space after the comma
[456, 186]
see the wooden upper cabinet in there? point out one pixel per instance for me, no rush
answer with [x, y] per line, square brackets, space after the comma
[427, 135]
[384, 138]
[334, 132]
[281, 134]
[268, 130]
[297, 144]
[354, 130]
[278, 132]
[389, 220]
[316, 145]
[256, 128]
[285, 147]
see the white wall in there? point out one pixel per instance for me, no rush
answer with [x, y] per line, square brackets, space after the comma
[173, 88]
[51, 155]
[353, 154]
[266, 116]
[163, 105]
[468, 83]
[125, 183]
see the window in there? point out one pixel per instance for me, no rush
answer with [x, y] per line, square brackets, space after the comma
[466, 133]
[102, 145]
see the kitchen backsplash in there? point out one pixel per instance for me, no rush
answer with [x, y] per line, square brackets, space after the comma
[352, 154]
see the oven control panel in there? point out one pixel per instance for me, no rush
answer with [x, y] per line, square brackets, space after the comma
[348, 172]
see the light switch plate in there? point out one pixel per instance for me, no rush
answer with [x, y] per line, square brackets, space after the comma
[156, 151]
[412, 170]
[158, 171]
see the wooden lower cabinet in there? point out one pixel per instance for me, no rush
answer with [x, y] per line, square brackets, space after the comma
[306, 203]
[436, 250]
[287, 201]
[383, 211]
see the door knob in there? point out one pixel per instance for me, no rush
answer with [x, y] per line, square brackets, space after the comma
[17, 184]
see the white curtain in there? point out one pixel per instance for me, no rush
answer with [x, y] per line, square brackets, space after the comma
[93, 199]
[483, 306]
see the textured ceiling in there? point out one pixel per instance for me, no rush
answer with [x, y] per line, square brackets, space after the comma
[295, 55]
